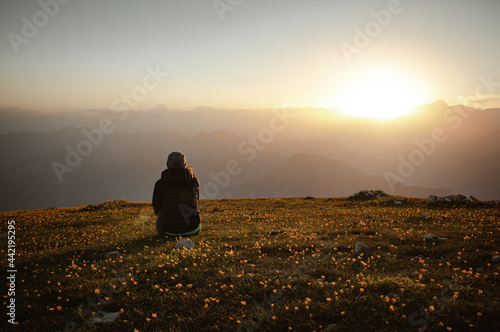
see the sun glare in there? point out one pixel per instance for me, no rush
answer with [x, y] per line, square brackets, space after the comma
[381, 95]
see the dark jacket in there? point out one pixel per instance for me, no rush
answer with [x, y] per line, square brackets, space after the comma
[175, 200]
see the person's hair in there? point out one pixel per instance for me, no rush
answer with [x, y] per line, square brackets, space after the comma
[176, 160]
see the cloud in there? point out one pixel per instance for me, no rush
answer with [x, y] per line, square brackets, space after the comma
[480, 101]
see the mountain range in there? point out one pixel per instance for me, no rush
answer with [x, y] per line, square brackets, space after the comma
[313, 152]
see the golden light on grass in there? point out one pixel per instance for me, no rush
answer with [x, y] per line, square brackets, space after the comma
[303, 253]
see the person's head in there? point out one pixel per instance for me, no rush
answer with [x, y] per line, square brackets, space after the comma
[176, 160]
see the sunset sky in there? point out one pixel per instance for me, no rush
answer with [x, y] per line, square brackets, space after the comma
[255, 53]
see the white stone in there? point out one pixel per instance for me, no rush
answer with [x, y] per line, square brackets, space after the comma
[184, 243]
[112, 254]
[495, 259]
[433, 238]
[473, 199]
[362, 248]
[103, 317]
[332, 328]
[432, 199]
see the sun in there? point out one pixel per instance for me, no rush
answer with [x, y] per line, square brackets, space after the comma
[380, 94]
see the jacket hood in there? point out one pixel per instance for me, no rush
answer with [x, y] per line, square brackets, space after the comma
[177, 175]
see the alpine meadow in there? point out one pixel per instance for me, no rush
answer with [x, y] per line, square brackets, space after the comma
[250, 165]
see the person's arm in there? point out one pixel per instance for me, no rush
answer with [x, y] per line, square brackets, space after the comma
[196, 187]
[157, 196]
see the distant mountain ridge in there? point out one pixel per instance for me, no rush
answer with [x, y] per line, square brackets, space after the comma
[315, 175]
[315, 154]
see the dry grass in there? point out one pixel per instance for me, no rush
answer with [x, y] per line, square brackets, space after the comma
[260, 264]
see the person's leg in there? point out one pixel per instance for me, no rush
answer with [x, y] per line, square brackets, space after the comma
[198, 231]
[160, 224]
[161, 227]
[193, 232]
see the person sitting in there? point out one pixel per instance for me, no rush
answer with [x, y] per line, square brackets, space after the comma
[175, 199]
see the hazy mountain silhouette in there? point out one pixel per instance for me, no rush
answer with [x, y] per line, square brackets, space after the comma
[306, 174]
[473, 176]
[314, 175]
[314, 152]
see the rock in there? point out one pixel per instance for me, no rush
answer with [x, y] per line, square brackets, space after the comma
[433, 238]
[71, 326]
[453, 200]
[361, 248]
[457, 198]
[495, 259]
[332, 328]
[366, 195]
[398, 202]
[103, 317]
[112, 254]
[432, 199]
[473, 199]
[184, 244]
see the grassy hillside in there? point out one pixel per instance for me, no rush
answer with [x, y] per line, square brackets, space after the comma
[259, 264]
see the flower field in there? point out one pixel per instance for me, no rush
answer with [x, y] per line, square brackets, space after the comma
[259, 265]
